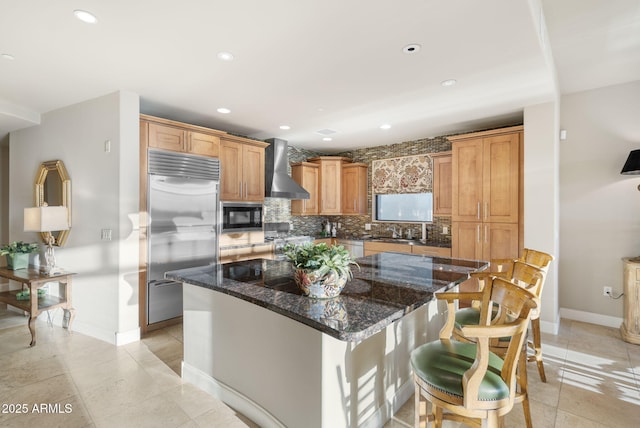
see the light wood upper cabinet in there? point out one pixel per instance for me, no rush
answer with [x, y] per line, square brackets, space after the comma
[330, 183]
[485, 176]
[167, 137]
[182, 140]
[501, 168]
[466, 180]
[354, 188]
[306, 175]
[242, 177]
[442, 185]
[203, 144]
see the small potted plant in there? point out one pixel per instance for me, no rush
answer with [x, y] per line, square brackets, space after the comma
[17, 253]
[321, 271]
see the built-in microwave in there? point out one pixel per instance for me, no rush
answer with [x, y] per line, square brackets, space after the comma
[241, 216]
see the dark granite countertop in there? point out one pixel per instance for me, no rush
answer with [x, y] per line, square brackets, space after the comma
[385, 288]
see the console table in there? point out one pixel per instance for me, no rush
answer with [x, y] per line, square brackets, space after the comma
[32, 280]
[630, 328]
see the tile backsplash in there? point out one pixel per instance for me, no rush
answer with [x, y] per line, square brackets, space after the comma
[278, 210]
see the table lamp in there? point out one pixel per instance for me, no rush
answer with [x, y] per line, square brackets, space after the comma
[47, 219]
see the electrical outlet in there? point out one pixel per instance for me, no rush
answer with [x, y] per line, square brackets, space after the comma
[445, 230]
[606, 291]
[367, 226]
[105, 234]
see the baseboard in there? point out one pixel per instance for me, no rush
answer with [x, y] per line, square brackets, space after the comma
[123, 338]
[590, 317]
[231, 397]
[550, 327]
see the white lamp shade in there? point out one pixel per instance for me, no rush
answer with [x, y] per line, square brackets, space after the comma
[46, 219]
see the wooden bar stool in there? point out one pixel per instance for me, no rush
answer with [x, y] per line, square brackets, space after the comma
[465, 381]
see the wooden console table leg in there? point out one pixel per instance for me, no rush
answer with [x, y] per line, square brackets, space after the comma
[32, 329]
[69, 315]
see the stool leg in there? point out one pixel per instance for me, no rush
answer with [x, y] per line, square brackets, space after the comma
[420, 419]
[522, 383]
[537, 347]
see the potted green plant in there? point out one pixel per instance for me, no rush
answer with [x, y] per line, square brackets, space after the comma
[321, 271]
[17, 253]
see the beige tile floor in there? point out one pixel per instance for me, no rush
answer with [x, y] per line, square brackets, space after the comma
[72, 380]
[593, 381]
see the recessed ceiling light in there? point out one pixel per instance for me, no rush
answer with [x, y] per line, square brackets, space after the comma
[85, 16]
[285, 127]
[411, 49]
[225, 56]
[224, 110]
[385, 126]
[449, 82]
[7, 56]
[327, 139]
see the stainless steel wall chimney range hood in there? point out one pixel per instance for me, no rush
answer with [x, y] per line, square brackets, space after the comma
[278, 184]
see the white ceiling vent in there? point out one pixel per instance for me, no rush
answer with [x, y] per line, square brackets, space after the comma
[326, 131]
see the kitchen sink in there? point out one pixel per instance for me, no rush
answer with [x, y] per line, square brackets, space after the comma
[398, 240]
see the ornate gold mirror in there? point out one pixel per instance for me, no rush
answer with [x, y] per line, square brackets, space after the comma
[53, 187]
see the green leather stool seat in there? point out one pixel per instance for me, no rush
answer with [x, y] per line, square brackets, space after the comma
[441, 364]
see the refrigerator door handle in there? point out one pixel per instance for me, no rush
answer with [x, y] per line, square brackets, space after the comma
[161, 282]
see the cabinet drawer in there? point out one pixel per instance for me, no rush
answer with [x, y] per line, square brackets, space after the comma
[431, 251]
[381, 247]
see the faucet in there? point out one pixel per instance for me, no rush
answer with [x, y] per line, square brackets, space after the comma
[425, 232]
[394, 234]
[409, 233]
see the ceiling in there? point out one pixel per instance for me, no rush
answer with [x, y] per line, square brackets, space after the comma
[332, 66]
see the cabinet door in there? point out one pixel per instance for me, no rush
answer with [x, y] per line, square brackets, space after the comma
[500, 241]
[501, 166]
[167, 137]
[467, 180]
[354, 189]
[442, 186]
[252, 173]
[231, 171]
[306, 175]
[204, 144]
[466, 240]
[330, 187]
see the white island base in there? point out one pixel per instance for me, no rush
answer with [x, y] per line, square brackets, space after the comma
[282, 373]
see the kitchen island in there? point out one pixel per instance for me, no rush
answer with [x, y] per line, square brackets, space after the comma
[252, 340]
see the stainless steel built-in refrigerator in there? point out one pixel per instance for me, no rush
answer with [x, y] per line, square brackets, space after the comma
[182, 206]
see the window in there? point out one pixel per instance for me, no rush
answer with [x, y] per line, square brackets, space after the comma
[404, 207]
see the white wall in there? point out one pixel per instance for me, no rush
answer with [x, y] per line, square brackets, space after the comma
[541, 203]
[599, 208]
[104, 188]
[4, 193]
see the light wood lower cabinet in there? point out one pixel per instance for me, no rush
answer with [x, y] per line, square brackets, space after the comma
[484, 241]
[371, 248]
[431, 251]
[246, 253]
